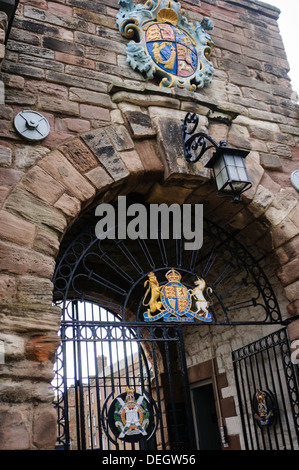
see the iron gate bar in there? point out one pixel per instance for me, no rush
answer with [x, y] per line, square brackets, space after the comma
[257, 366]
[110, 274]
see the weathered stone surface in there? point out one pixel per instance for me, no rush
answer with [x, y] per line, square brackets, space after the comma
[26, 155]
[42, 348]
[5, 156]
[133, 163]
[18, 260]
[100, 144]
[60, 168]
[68, 205]
[42, 185]
[120, 138]
[281, 206]
[271, 162]
[57, 105]
[8, 288]
[46, 242]
[34, 210]
[261, 201]
[171, 144]
[34, 290]
[140, 124]
[44, 428]
[16, 229]
[14, 430]
[151, 161]
[99, 178]
[289, 273]
[81, 95]
[79, 155]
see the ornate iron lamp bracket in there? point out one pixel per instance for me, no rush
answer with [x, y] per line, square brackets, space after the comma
[196, 144]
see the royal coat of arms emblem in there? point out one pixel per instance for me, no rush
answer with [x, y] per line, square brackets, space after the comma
[130, 416]
[166, 43]
[174, 301]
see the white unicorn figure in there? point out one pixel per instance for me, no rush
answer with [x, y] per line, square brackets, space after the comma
[201, 303]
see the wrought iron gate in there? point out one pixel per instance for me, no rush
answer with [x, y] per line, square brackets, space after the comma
[100, 358]
[108, 348]
[268, 393]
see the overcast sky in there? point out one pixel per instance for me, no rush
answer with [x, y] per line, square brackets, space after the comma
[288, 25]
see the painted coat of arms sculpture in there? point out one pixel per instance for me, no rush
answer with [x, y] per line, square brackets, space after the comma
[130, 416]
[166, 43]
[174, 301]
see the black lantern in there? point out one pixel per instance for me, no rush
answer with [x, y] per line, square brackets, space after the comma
[228, 164]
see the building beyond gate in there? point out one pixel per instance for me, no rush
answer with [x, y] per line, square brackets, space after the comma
[73, 302]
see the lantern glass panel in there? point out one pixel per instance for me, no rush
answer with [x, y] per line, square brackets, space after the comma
[236, 168]
[220, 172]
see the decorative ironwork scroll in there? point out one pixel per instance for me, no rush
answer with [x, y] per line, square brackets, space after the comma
[163, 41]
[113, 273]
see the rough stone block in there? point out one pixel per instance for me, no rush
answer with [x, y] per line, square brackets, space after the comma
[289, 273]
[100, 144]
[57, 105]
[82, 95]
[79, 155]
[281, 206]
[133, 163]
[18, 260]
[16, 229]
[27, 155]
[42, 185]
[171, 144]
[60, 168]
[69, 205]
[94, 112]
[148, 154]
[271, 162]
[46, 242]
[5, 156]
[74, 60]
[45, 428]
[72, 125]
[42, 348]
[292, 291]
[35, 290]
[8, 286]
[140, 124]
[119, 137]
[99, 178]
[35, 210]
[14, 431]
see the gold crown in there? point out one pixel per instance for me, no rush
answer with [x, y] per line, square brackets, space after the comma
[173, 275]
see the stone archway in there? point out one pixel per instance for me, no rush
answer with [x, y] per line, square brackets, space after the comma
[39, 209]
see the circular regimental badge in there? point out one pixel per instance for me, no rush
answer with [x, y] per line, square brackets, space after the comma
[130, 416]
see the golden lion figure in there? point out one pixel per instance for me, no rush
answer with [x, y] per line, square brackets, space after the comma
[155, 289]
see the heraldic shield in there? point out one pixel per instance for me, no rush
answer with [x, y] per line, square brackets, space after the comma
[172, 49]
[174, 301]
[164, 42]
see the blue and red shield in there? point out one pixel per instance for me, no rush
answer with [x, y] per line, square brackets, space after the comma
[171, 49]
